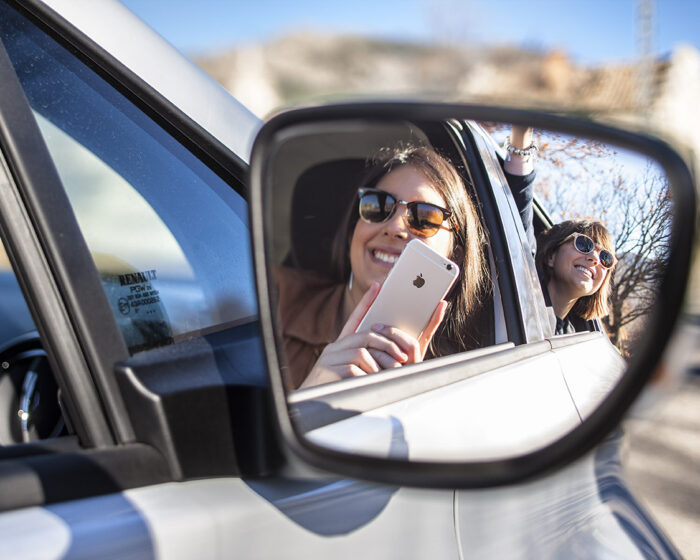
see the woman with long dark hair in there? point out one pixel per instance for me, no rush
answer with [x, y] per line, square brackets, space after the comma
[576, 259]
[410, 193]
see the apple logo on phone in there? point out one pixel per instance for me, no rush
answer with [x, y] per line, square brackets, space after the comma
[419, 281]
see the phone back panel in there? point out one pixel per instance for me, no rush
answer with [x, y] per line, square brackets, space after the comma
[414, 286]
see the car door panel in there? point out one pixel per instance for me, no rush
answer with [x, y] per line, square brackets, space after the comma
[341, 519]
[579, 512]
[496, 411]
[227, 517]
[562, 516]
[591, 366]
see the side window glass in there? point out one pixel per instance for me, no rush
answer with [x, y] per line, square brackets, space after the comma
[168, 236]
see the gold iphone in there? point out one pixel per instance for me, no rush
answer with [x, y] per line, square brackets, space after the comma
[416, 283]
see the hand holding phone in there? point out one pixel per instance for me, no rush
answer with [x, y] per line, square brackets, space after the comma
[409, 307]
[355, 354]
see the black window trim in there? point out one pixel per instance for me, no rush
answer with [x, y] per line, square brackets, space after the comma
[516, 272]
[57, 274]
[54, 471]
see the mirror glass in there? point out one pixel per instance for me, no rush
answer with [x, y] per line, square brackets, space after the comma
[545, 253]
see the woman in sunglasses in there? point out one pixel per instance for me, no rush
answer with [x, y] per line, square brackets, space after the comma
[411, 193]
[575, 259]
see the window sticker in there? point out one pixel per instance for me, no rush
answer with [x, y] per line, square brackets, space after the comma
[136, 300]
[141, 294]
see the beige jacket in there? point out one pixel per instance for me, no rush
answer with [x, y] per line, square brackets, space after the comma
[310, 312]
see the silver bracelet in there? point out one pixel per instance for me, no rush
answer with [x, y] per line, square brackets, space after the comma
[528, 152]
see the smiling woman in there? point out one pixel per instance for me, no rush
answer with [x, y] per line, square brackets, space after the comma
[576, 259]
[406, 193]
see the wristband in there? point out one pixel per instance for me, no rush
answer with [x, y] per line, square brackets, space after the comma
[528, 152]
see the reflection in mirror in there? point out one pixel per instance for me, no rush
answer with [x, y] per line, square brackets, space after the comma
[491, 369]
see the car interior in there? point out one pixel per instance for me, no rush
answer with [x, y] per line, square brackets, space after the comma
[30, 407]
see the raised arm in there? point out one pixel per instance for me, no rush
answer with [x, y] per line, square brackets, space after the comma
[520, 172]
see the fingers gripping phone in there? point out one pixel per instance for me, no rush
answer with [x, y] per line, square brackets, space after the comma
[419, 279]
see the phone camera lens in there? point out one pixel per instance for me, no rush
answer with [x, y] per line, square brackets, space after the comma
[449, 267]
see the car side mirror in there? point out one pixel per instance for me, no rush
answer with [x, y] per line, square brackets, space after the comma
[509, 378]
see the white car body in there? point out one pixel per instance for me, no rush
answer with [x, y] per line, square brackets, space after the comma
[568, 514]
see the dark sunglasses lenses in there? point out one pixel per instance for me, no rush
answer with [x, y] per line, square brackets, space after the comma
[606, 259]
[376, 207]
[423, 218]
[585, 245]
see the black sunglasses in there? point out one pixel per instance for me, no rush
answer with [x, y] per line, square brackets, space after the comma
[423, 218]
[584, 244]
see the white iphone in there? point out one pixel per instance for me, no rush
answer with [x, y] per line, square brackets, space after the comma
[419, 279]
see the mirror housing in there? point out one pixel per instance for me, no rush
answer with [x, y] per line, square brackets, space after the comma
[305, 458]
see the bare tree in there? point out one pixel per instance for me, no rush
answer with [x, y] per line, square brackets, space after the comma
[643, 235]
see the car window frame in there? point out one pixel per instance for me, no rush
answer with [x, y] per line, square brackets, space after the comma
[98, 335]
[58, 271]
[105, 453]
[517, 275]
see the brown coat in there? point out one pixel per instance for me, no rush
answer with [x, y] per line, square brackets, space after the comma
[310, 311]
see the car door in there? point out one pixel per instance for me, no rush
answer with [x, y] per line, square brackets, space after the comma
[130, 242]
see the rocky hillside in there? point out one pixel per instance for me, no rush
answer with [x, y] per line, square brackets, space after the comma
[308, 66]
[305, 67]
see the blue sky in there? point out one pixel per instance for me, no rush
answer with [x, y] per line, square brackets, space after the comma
[590, 31]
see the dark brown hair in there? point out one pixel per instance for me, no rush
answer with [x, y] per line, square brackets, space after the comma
[468, 246]
[590, 307]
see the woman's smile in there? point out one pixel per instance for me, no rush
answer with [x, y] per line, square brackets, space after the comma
[587, 272]
[384, 258]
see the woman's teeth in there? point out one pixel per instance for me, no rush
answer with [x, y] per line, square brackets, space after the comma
[385, 257]
[586, 271]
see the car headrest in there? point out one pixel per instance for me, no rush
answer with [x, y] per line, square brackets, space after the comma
[320, 201]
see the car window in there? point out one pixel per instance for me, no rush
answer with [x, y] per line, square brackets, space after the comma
[168, 236]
